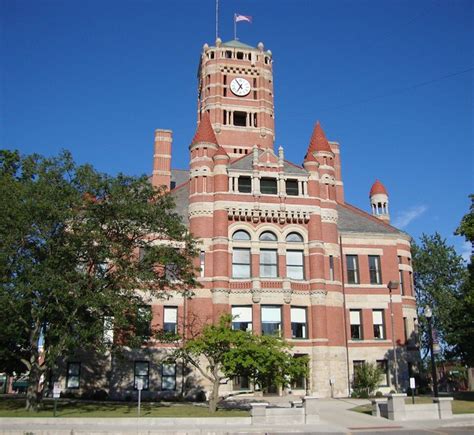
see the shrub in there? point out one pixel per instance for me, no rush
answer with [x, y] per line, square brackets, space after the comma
[367, 377]
[378, 394]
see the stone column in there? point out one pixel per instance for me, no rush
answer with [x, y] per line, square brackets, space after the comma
[396, 407]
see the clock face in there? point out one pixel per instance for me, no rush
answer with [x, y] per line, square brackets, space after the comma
[240, 87]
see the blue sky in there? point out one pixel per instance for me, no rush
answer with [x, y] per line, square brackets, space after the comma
[392, 81]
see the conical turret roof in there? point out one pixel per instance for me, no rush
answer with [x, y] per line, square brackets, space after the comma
[377, 188]
[205, 132]
[318, 141]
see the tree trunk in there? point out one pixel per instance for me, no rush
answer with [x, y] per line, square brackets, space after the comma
[214, 395]
[33, 396]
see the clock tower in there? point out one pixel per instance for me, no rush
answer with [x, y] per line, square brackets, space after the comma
[236, 90]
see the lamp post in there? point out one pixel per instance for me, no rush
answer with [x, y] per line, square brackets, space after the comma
[393, 285]
[434, 375]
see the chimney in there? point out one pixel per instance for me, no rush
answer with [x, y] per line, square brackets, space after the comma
[162, 159]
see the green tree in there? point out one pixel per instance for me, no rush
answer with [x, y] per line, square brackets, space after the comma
[461, 332]
[367, 377]
[439, 274]
[70, 239]
[231, 353]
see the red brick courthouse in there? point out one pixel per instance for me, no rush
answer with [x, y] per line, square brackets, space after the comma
[281, 249]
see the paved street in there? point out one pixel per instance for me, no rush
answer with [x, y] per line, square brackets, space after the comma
[335, 417]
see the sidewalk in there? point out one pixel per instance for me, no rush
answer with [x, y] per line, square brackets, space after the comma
[335, 417]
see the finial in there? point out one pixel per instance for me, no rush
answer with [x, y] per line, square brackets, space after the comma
[260, 46]
[218, 42]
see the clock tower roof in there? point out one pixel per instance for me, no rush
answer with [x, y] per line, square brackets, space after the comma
[234, 43]
[205, 132]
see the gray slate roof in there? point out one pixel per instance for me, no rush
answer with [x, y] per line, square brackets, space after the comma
[246, 164]
[237, 44]
[351, 219]
[179, 176]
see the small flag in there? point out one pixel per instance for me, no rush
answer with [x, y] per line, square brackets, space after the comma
[239, 17]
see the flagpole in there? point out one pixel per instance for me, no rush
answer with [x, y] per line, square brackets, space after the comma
[217, 19]
[235, 28]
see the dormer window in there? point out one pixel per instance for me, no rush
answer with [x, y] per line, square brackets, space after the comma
[292, 187]
[245, 184]
[268, 186]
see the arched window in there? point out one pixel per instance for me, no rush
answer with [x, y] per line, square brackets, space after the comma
[294, 237]
[268, 236]
[241, 235]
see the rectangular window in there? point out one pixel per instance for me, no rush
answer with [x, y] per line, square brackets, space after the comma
[292, 187]
[143, 322]
[400, 259]
[410, 283]
[245, 184]
[170, 319]
[240, 119]
[379, 327]
[405, 328]
[383, 365]
[298, 322]
[356, 324]
[295, 264]
[402, 282]
[331, 268]
[168, 376]
[241, 263]
[352, 269]
[268, 263]
[271, 319]
[202, 263]
[268, 186]
[73, 375]
[242, 318]
[355, 365]
[374, 269]
[141, 372]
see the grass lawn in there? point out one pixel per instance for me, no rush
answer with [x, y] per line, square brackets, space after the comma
[70, 408]
[462, 404]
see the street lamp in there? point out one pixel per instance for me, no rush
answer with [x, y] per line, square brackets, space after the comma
[393, 285]
[429, 317]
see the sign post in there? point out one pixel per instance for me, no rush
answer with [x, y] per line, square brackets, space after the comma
[139, 388]
[412, 388]
[56, 395]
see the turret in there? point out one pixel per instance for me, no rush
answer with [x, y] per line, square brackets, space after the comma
[379, 201]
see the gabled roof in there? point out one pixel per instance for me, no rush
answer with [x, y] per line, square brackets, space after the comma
[204, 131]
[377, 188]
[236, 44]
[246, 164]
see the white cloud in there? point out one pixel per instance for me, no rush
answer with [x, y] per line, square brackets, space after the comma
[409, 215]
[466, 250]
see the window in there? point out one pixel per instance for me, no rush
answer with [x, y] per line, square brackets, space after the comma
[298, 322]
[241, 263]
[331, 268]
[410, 283]
[355, 366]
[294, 264]
[73, 374]
[108, 330]
[294, 238]
[268, 263]
[292, 187]
[228, 54]
[352, 269]
[170, 319]
[383, 365]
[299, 383]
[402, 282]
[245, 184]
[268, 236]
[379, 329]
[240, 119]
[400, 259]
[268, 186]
[141, 372]
[374, 269]
[242, 318]
[241, 235]
[405, 328]
[356, 324]
[202, 263]
[168, 376]
[240, 55]
[240, 383]
[143, 322]
[271, 319]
